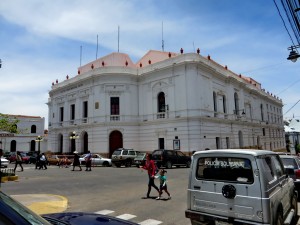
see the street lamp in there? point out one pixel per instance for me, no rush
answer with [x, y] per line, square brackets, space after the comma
[74, 135]
[39, 139]
[0, 63]
[294, 55]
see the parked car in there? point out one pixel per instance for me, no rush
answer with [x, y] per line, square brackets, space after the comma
[14, 213]
[170, 158]
[4, 162]
[140, 160]
[293, 162]
[59, 160]
[25, 157]
[97, 160]
[123, 157]
[239, 186]
[32, 156]
[8, 154]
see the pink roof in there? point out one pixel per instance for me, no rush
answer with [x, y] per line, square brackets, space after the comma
[113, 59]
[122, 59]
[153, 56]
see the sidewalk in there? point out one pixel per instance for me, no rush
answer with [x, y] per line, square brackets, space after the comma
[43, 203]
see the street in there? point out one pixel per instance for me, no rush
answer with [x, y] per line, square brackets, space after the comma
[120, 190]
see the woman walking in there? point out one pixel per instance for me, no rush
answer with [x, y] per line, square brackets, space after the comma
[76, 161]
[19, 161]
[150, 167]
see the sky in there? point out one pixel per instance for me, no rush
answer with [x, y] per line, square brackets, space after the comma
[41, 40]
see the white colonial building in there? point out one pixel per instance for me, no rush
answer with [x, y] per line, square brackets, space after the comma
[29, 128]
[164, 101]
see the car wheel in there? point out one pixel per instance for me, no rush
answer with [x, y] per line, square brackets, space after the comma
[279, 219]
[105, 163]
[128, 163]
[295, 207]
[188, 164]
[169, 164]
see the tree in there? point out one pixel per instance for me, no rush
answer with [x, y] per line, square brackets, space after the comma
[8, 123]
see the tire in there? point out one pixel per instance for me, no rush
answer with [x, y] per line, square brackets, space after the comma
[295, 207]
[128, 163]
[188, 164]
[169, 165]
[279, 219]
[105, 163]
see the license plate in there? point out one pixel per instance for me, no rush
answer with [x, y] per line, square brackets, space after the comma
[218, 222]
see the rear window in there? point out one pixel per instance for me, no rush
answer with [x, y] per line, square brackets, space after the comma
[289, 163]
[226, 169]
[159, 152]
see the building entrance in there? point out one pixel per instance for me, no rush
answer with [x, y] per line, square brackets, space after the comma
[115, 141]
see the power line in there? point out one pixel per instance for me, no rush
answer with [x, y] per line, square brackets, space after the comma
[292, 107]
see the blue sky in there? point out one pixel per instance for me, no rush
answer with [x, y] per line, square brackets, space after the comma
[40, 42]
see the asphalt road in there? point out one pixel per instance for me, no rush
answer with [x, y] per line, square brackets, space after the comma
[119, 191]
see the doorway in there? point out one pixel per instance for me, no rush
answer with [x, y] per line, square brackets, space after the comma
[115, 141]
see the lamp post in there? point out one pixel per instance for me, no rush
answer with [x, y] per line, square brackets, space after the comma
[73, 136]
[0, 63]
[294, 55]
[39, 139]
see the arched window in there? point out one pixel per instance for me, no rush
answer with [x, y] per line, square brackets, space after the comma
[236, 103]
[13, 146]
[161, 102]
[215, 101]
[33, 129]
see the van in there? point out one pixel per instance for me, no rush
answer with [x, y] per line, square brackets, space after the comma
[240, 186]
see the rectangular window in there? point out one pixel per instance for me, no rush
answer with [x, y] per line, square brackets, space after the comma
[85, 109]
[61, 114]
[227, 143]
[72, 112]
[217, 142]
[114, 106]
[228, 169]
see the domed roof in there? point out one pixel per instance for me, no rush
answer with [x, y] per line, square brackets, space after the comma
[113, 59]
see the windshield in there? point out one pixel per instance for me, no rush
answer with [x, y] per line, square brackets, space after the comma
[117, 152]
[24, 212]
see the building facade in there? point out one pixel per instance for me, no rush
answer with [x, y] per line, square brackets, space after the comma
[164, 101]
[29, 128]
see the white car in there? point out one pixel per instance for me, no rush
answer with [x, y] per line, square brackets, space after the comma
[97, 160]
[4, 162]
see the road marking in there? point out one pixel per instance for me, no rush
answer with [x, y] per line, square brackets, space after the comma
[104, 212]
[150, 222]
[126, 216]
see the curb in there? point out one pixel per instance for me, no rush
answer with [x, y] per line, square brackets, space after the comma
[43, 203]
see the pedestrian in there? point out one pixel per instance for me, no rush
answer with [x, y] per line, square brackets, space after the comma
[151, 168]
[43, 161]
[76, 161]
[19, 161]
[163, 184]
[37, 160]
[88, 161]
